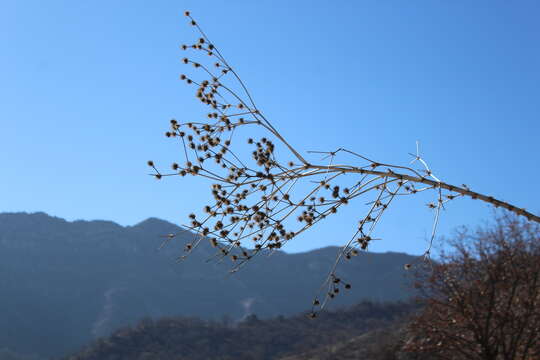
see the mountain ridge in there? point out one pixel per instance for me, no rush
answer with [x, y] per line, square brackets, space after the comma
[151, 222]
[89, 278]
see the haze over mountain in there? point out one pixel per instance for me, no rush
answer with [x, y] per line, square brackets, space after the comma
[66, 283]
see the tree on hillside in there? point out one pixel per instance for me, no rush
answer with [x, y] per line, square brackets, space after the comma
[482, 301]
[266, 191]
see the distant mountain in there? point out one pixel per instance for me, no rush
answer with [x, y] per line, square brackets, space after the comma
[364, 331]
[65, 283]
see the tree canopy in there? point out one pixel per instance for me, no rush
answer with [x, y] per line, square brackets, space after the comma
[482, 300]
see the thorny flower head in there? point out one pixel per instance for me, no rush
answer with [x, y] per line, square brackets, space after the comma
[265, 193]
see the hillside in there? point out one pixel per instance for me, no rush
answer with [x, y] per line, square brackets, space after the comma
[66, 283]
[383, 343]
[253, 339]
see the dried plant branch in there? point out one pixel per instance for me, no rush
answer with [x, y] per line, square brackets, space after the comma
[268, 200]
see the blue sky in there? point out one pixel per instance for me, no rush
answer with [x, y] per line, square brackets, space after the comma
[88, 89]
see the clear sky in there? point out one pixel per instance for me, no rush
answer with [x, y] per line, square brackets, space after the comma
[88, 87]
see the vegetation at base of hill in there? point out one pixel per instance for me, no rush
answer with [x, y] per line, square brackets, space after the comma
[381, 344]
[195, 339]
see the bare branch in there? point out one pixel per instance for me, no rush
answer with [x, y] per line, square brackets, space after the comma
[271, 193]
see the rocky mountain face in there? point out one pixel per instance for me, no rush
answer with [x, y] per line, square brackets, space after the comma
[64, 283]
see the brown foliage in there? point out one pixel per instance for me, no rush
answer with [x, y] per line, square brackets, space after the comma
[482, 300]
